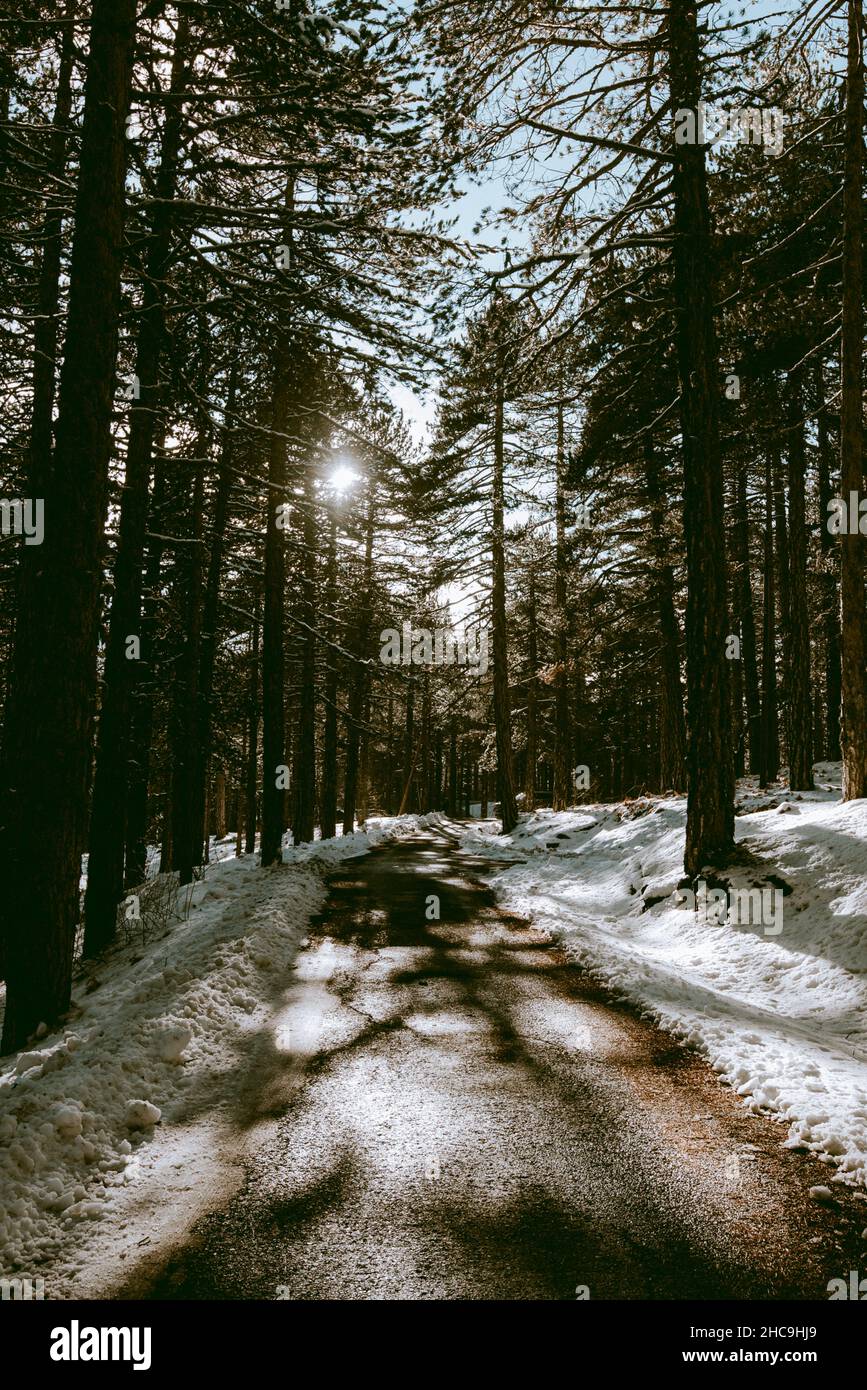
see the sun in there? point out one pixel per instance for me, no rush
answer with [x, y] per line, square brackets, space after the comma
[342, 478]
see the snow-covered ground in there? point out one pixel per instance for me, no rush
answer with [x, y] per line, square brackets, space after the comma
[778, 1005]
[121, 1128]
[118, 1129]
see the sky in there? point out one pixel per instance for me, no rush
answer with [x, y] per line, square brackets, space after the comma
[466, 211]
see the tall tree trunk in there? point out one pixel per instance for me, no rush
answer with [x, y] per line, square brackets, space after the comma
[672, 727]
[355, 714]
[747, 622]
[781, 547]
[828, 579]
[219, 804]
[211, 608]
[328, 784]
[853, 623]
[436, 788]
[738, 725]
[166, 814]
[502, 697]
[105, 870]
[252, 738]
[736, 689]
[186, 823]
[407, 799]
[273, 659]
[358, 691]
[797, 636]
[304, 779]
[50, 711]
[239, 800]
[532, 695]
[425, 749]
[388, 780]
[142, 704]
[770, 742]
[562, 724]
[579, 724]
[45, 334]
[273, 615]
[45, 331]
[453, 804]
[710, 773]
[364, 765]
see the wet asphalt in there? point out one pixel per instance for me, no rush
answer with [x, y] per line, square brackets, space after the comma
[446, 1109]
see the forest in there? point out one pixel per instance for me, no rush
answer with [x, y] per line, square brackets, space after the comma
[423, 408]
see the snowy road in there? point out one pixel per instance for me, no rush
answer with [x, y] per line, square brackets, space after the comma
[448, 1110]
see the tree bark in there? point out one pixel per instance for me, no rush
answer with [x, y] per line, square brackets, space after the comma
[532, 695]
[45, 332]
[142, 703]
[53, 686]
[502, 697]
[252, 739]
[328, 783]
[219, 804]
[710, 773]
[453, 804]
[304, 780]
[853, 624]
[186, 754]
[829, 582]
[407, 799]
[273, 660]
[799, 731]
[672, 728]
[358, 691]
[747, 622]
[105, 873]
[770, 742]
[562, 790]
[211, 608]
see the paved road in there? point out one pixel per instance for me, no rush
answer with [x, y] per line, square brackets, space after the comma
[458, 1113]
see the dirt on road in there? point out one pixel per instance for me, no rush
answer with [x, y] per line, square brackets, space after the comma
[448, 1110]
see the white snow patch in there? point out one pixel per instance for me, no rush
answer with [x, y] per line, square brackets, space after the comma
[170, 1034]
[782, 1018]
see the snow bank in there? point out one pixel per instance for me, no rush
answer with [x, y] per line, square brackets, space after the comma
[99, 1120]
[781, 1017]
